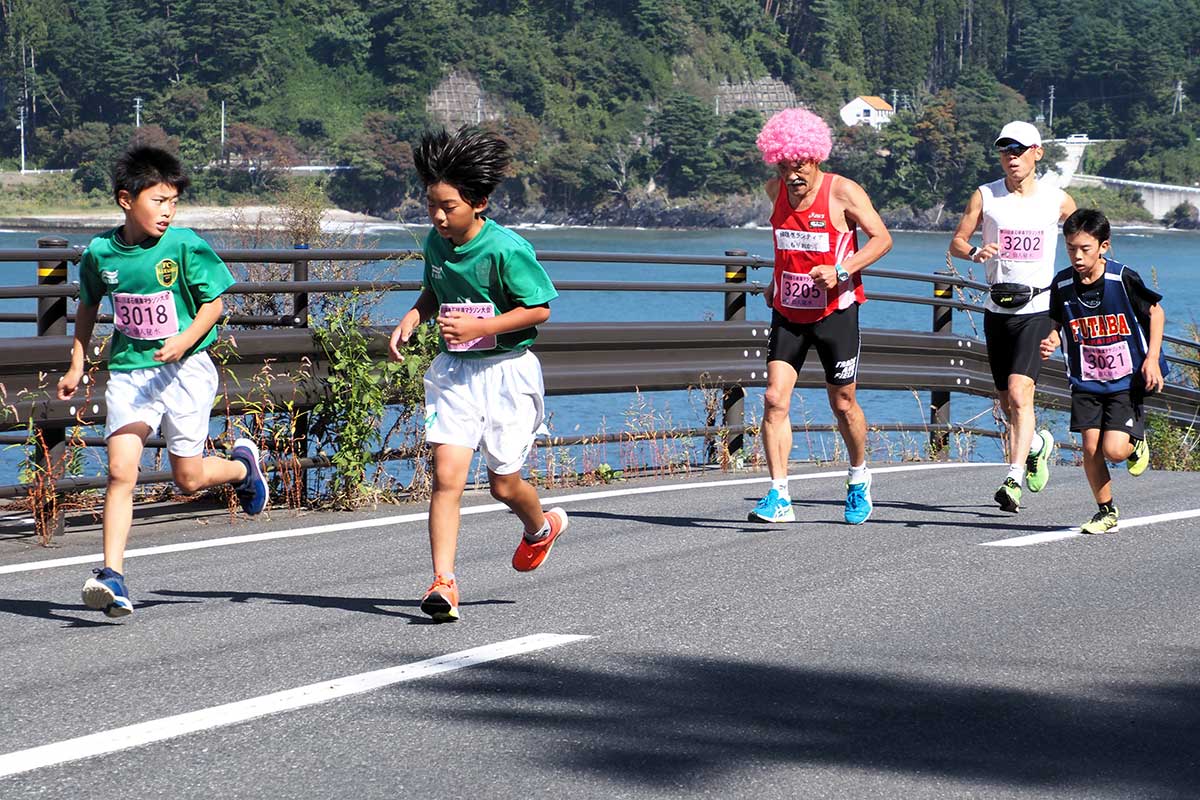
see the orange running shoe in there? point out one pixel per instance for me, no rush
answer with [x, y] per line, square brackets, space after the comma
[441, 601]
[530, 555]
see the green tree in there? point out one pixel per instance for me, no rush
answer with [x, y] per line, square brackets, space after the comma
[685, 128]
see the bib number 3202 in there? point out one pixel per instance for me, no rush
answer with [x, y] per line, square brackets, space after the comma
[145, 316]
[1021, 245]
[801, 291]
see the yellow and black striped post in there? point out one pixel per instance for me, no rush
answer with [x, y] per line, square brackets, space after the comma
[52, 321]
[939, 400]
[733, 399]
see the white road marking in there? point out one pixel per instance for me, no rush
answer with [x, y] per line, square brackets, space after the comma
[1070, 533]
[289, 700]
[381, 522]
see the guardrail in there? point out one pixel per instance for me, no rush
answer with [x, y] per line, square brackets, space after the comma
[577, 357]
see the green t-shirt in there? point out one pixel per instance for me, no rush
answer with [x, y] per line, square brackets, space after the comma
[497, 267]
[155, 287]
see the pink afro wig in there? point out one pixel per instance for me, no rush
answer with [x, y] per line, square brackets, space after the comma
[794, 134]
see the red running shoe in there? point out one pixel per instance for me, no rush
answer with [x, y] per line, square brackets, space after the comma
[441, 601]
[530, 555]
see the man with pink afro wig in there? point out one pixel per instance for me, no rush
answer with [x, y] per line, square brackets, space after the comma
[814, 296]
[794, 134]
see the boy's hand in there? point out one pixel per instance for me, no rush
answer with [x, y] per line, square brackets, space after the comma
[402, 333]
[460, 328]
[1152, 375]
[68, 383]
[173, 349]
[1049, 345]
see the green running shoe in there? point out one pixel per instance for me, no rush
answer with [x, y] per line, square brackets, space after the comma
[1009, 496]
[1139, 460]
[1037, 467]
[1102, 522]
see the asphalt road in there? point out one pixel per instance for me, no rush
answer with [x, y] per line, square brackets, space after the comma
[717, 658]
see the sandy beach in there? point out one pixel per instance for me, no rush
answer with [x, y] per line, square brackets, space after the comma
[213, 218]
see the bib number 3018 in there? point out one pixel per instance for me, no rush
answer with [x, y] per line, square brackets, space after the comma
[145, 316]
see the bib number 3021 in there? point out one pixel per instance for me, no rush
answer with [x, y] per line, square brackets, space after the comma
[801, 291]
[1108, 362]
[1021, 245]
[145, 316]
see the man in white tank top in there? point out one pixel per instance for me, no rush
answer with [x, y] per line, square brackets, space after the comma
[1020, 216]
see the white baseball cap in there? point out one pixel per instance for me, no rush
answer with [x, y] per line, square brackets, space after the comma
[1021, 133]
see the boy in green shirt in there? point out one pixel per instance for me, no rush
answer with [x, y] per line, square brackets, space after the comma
[488, 292]
[165, 285]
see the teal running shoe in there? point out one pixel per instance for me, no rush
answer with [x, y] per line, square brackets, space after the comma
[1037, 467]
[858, 501]
[774, 507]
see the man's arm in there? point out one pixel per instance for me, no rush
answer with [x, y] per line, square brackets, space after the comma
[960, 244]
[857, 207]
[1067, 208]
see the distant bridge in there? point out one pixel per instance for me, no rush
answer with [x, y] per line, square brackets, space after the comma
[1158, 198]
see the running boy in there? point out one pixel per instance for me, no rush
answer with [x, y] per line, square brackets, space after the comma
[488, 292]
[1114, 355]
[165, 285]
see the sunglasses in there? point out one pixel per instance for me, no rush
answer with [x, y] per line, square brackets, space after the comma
[1014, 149]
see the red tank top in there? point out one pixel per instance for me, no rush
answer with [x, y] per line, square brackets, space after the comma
[804, 239]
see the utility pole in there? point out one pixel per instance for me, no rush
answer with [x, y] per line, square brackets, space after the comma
[1177, 104]
[1050, 124]
[895, 99]
[222, 130]
[137, 112]
[21, 128]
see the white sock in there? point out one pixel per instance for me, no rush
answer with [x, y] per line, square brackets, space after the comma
[857, 474]
[540, 534]
[781, 486]
[1016, 472]
[1037, 444]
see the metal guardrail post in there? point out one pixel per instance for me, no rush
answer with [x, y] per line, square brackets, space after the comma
[939, 401]
[734, 398]
[52, 321]
[300, 319]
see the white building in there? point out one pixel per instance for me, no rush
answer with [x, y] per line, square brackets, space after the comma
[868, 109]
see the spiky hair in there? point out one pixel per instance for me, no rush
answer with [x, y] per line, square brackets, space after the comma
[472, 160]
[139, 168]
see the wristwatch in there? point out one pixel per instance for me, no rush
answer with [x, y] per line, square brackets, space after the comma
[842, 275]
[971, 253]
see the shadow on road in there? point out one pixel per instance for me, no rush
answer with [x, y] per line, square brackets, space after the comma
[44, 609]
[361, 605]
[693, 723]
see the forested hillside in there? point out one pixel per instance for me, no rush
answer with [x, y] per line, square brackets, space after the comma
[608, 102]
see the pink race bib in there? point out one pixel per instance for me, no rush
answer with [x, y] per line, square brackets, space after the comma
[145, 316]
[1021, 245]
[801, 291]
[477, 310]
[1108, 362]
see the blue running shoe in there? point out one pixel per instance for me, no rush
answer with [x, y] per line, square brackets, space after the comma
[858, 501]
[106, 592]
[253, 491]
[774, 507]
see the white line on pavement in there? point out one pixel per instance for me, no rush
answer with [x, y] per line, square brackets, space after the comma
[230, 713]
[1070, 533]
[380, 522]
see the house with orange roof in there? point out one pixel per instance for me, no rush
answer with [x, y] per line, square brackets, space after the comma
[868, 110]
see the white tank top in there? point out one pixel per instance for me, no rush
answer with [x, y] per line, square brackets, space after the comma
[1026, 228]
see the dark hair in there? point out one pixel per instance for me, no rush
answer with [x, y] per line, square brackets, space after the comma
[139, 168]
[472, 160]
[1090, 221]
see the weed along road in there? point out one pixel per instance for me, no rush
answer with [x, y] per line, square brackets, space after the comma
[667, 648]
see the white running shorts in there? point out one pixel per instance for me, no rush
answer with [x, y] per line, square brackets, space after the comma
[494, 404]
[179, 395]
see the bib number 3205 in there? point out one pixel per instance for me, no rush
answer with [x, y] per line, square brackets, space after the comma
[145, 316]
[801, 291]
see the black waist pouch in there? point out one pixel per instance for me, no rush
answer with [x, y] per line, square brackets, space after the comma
[1013, 295]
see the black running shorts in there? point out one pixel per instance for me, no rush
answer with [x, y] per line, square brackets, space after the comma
[1120, 411]
[1014, 344]
[835, 337]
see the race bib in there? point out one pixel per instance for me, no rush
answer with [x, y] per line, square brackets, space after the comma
[801, 291]
[477, 310]
[809, 241]
[1108, 362]
[145, 316]
[1021, 245]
